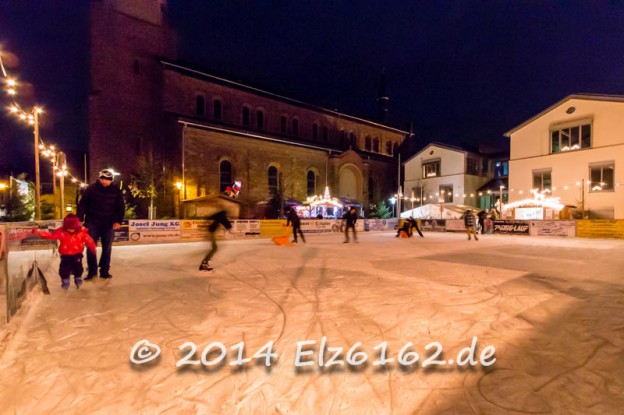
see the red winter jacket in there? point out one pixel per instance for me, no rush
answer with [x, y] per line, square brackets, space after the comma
[71, 243]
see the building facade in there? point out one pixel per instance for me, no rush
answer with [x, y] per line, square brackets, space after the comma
[441, 173]
[574, 151]
[207, 131]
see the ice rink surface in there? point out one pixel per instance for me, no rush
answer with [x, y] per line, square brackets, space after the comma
[552, 308]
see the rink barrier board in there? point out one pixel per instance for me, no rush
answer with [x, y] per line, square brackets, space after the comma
[600, 228]
[23, 251]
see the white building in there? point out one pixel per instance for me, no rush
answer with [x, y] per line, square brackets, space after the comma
[441, 173]
[573, 150]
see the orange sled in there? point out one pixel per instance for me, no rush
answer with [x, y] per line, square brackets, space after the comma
[283, 240]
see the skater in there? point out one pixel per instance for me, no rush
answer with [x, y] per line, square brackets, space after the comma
[415, 226]
[350, 218]
[101, 209]
[469, 222]
[219, 218]
[482, 216]
[73, 239]
[292, 217]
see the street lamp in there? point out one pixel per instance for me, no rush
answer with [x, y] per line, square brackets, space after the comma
[500, 201]
[392, 202]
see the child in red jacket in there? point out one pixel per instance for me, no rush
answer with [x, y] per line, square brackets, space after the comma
[73, 239]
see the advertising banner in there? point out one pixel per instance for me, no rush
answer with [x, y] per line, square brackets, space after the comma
[194, 229]
[598, 228]
[511, 227]
[380, 224]
[3, 275]
[272, 227]
[154, 230]
[244, 229]
[321, 225]
[455, 225]
[122, 234]
[565, 228]
[532, 213]
[434, 225]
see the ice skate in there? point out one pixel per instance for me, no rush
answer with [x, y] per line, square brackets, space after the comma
[205, 266]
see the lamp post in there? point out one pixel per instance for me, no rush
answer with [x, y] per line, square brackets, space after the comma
[500, 200]
[392, 202]
[179, 185]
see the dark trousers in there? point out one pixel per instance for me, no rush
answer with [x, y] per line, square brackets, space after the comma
[482, 225]
[213, 249]
[71, 264]
[297, 228]
[418, 230]
[350, 226]
[105, 233]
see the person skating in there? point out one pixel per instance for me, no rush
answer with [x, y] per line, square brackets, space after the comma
[482, 216]
[101, 209]
[469, 222]
[219, 218]
[414, 225]
[350, 219]
[293, 218]
[73, 239]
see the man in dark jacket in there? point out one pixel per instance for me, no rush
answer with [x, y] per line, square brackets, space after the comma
[219, 218]
[350, 218]
[482, 216]
[293, 218]
[469, 222]
[101, 209]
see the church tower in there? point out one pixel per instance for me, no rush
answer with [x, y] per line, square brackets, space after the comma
[125, 97]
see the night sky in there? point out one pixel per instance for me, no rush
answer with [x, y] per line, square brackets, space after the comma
[461, 72]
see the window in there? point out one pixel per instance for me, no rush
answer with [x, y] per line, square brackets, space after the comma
[472, 166]
[272, 180]
[311, 183]
[200, 106]
[396, 148]
[295, 126]
[315, 131]
[367, 143]
[601, 177]
[217, 109]
[260, 119]
[502, 169]
[283, 124]
[353, 140]
[484, 167]
[325, 134]
[225, 175]
[343, 138]
[542, 180]
[446, 193]
[431, 169]
[389, 147]
[376, 145]
[570, 138]
[246, 117]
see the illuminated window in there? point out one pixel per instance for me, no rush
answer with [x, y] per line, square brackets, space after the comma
[542, 180]
[601, 177]
[570, 138]
[446, 193]
[431, 169]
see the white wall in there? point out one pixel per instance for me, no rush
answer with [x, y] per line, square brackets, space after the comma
[530, 147]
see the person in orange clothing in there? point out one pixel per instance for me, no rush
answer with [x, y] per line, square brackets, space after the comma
[73, 239]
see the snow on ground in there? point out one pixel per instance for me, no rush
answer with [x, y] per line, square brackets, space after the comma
[552, 308]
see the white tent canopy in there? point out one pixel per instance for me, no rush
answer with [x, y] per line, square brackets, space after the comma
[437, 211]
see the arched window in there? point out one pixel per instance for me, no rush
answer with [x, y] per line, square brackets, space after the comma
[295, 126]
[376, 145]
[325, 134]
[389, 147]
[315, 131]
[343, 138]
[200, 106]
[260, 119]
[367, 143]
[246, 117]
[396, 149]
[283, 124]
[217, 109]
[225, 175]
[272, 173]
[311, 183]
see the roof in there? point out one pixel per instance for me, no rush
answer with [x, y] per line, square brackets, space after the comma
[587, 97]
[202, 74]
[495, 184]
[437, 144]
